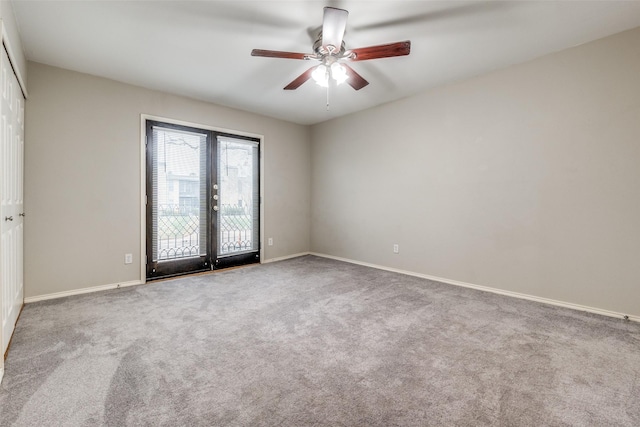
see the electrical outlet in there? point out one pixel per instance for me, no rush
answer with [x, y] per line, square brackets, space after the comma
[128, 258]
[396, 249]
[270, 241]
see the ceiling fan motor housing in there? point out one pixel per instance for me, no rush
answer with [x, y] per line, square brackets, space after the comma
[329, 50]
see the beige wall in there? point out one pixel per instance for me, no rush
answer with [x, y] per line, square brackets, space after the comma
[526, 179]
[82, 177]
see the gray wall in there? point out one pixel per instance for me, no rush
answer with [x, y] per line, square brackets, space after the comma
[82, 177]
[525, 180]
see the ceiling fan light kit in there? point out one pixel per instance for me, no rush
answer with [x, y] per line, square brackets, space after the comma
[338, 73]
[329, 50]
[322, 73]
[321, 76]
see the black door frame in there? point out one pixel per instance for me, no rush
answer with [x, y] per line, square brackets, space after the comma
[249, 257]
[212, 260]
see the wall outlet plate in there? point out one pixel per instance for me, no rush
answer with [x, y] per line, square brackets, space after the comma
[396, 249]
[270, 241]
[128, 258]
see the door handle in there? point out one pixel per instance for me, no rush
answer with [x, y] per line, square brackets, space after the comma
[8, 218]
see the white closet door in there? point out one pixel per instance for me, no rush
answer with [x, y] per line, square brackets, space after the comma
[11, 199]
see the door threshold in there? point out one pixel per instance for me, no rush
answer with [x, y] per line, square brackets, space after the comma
[199, 273]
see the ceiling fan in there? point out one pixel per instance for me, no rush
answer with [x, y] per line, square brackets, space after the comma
[329, 50]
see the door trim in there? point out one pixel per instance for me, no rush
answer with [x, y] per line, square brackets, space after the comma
[143, 179]
[6, 41]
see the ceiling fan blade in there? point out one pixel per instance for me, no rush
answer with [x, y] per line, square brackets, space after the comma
[355, 80]
[334, 24]
[382, 51]
[295, 84]
[279, 54]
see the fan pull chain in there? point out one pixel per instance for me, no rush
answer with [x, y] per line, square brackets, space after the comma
[328, 97]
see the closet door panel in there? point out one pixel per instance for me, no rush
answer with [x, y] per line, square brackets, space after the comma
[11, 199]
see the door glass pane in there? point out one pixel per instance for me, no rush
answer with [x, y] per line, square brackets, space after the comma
[179, 188]
[239, 193]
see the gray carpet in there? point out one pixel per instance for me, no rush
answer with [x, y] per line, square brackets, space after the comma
[316, 342]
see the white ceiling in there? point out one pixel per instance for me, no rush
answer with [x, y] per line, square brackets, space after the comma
[202, 49]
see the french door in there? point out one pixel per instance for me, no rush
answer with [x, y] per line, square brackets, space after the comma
[203, 200]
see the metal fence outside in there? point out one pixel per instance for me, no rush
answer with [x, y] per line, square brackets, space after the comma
[179, 231]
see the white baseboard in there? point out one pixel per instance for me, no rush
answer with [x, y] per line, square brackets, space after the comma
[282, 258]
[489, 289]
[1, 371]
[82, 291]
[366, 264]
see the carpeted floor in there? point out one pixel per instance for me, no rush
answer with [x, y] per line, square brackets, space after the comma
[316, 342]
